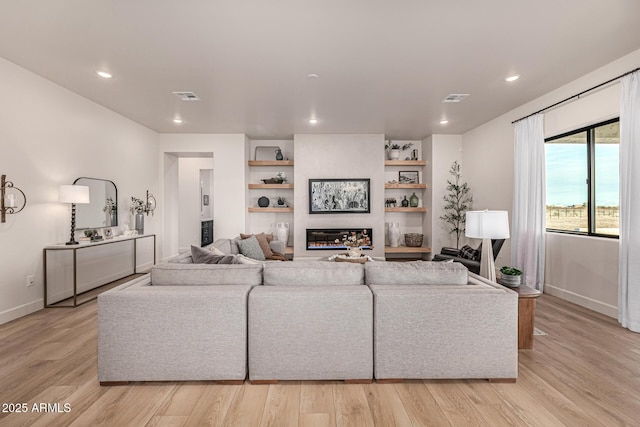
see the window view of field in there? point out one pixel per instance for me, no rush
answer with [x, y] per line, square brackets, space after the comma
[567, 176]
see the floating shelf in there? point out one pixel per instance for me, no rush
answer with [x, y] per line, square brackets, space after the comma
[422, 186]
[276, 186]
[272, 210]
[406, 250]
[405, 210]
[405, 162]
[270, 162]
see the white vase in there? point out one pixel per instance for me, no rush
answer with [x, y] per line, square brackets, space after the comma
[394, 154]
[394, 234]
[282, 232]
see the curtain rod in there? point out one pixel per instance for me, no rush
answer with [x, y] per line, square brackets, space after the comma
[578, 95]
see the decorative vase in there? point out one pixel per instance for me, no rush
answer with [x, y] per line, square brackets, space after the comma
[405, 202]
[263, 202]
[279, 154]
[413, 200]
[510, 280]
[355, 252]
[394, 154]
[140, 223]
[394, 234]
[282, 232]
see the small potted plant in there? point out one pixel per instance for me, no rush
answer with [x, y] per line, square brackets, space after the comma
[394, 149]
[510, 276]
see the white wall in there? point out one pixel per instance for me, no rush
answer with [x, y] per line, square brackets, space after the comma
[339, 156]
[51, 136]
[189, 205]
[487, 160]
[229, 181]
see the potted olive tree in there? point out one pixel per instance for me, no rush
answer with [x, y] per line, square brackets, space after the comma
[510, 276]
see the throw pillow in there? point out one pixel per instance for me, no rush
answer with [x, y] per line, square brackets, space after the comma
[262, 241]
[216, 251]
[204, 256]
[244, 260]
[468, 252]
[251, 248]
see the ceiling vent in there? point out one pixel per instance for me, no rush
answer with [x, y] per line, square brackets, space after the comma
[455, 97]
[187, 96]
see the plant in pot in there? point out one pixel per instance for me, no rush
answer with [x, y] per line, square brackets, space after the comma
[394, 149]
[510, 276]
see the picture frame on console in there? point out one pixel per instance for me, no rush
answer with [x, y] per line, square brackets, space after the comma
[348, 195]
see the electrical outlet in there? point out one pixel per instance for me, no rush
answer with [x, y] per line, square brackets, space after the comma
[31, 281]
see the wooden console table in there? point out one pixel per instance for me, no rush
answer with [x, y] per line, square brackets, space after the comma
[526, 315]
[70, 270]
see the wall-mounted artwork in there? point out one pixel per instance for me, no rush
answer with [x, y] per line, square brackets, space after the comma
[339, 196]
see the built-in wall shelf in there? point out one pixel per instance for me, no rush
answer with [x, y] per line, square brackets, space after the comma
[406, 250]
[271, 210]
[405, 162]
[275, 186]
[406, 210]
[270, 162]
[416, 186]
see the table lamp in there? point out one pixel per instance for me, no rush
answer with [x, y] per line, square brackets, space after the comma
[487, 225]
[73, 194]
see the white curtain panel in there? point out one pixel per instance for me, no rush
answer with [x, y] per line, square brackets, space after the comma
[629, 269]
[528, 218]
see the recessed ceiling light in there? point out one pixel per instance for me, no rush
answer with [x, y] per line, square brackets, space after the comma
[312, 76]
[104, 74]
[177, 121]
[444, 122]
[313, 121]
[512, 78]
[455, 97]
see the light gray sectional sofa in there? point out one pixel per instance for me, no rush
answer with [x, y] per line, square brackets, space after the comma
[314, 320]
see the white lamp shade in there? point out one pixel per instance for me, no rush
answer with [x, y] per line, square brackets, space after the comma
[74, 194]
[487, 225]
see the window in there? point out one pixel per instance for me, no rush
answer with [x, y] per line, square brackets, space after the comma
[582, 173]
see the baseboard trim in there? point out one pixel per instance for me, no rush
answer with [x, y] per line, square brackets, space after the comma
[20, 311]
[581, 300]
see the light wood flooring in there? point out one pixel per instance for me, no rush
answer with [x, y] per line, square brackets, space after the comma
[585, 372]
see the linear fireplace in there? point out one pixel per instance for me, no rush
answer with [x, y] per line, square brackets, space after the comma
[325, 238]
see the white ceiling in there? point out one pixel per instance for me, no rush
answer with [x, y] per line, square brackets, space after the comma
[384, 66]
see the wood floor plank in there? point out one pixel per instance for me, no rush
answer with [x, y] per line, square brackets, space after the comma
[585, 371]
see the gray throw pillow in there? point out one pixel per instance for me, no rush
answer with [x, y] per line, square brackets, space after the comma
[204, 256]
[251, 248]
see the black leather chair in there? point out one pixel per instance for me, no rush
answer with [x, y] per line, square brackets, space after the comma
[472, 264]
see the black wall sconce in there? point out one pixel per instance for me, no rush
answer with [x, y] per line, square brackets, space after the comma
[8, 200]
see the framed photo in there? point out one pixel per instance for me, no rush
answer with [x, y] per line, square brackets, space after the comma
[408, 177]
[339, 196]
[108, 233]
[205, 200]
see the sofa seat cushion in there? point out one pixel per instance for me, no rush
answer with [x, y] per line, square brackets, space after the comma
[313, 273]
[415, 273]
[206, 274]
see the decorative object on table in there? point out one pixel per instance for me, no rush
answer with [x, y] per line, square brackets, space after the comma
[339, 195]
[510, 276]
[263, 201]
[282, 232]
[91, 235]
[405, 202]
[487, 225]
[279, 155]
[408, 177]
[265, 152]
[390, 202]
[74, 194]
[8, 200]
[205, 200]
[414, 154]
[457, 202]
[413, 240]
[137, 209]
[108, 233]
[355, 241]
[414, 201]
[394, 234]
[346, 258]
[278, 179]
[393, 149]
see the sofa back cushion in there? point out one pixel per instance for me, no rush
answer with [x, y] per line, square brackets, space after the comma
[313, 273]
[416, 273]
[206, 274]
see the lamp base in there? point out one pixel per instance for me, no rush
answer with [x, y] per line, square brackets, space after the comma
[487, 264]
[72, 243]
